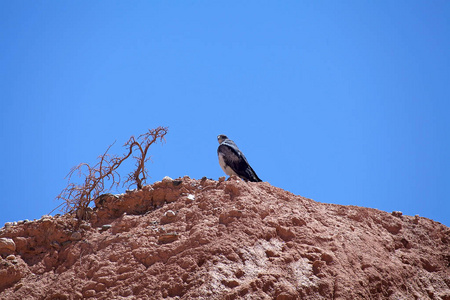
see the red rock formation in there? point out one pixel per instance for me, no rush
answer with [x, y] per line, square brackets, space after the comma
[199, 239]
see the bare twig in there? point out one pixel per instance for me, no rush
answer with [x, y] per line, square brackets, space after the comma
[143, 143]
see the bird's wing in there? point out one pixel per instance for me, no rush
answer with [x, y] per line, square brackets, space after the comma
[233, 158]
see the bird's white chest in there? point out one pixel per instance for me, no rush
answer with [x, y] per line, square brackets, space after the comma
[225, 167]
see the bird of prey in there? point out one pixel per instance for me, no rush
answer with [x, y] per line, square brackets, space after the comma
[233, 161]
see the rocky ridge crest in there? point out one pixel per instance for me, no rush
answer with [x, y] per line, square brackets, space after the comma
[197, 239]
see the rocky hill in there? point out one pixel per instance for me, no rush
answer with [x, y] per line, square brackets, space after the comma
[206, 239]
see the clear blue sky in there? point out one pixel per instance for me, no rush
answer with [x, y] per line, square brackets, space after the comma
[343, 102]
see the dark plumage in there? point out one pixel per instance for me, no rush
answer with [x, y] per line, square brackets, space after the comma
[233, 161]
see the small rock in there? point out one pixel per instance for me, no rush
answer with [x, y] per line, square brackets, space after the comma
[191, 197]
[8, 224]
[229, 216]
[104, 198]
[239, 273]
[298, 221]
[285, 296]
[326, 257]
[105, 227]
[7, 246]
[271, 253]
[230, 283]
[393, 228]
[168, 217]
[222, 179]
[285, 233]
[168, 237]
[170, 214]
[85, 226]
[89, 293]
[397, 214]
[45, 220]
[11, 257]
[76, 236]
[167, 179]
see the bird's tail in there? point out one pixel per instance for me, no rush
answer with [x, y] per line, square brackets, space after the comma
[252, 175]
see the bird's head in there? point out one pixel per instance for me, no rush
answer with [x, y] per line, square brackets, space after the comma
[221, 138]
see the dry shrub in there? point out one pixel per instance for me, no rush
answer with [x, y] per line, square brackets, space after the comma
[104, 176]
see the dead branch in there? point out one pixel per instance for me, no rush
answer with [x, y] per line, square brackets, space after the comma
[143, 143]
[76, 196]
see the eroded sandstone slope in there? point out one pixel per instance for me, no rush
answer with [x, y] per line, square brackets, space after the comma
[206, 239]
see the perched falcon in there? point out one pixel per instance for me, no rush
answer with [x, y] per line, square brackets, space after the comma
[233, 161]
